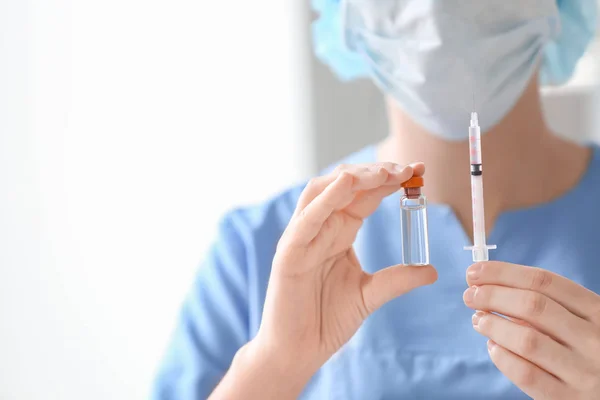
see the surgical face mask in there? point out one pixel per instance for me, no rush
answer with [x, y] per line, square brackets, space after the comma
[442, 59]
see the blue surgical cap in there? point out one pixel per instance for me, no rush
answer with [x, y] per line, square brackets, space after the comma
[578, 27]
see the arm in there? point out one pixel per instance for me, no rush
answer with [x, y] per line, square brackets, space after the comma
[318, 296]
[257, 374]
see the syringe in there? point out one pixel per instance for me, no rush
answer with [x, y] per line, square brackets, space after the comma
[479, 248]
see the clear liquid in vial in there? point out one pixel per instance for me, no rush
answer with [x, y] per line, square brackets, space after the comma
[413, 221]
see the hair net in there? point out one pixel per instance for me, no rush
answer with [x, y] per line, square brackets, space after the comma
[578, 27]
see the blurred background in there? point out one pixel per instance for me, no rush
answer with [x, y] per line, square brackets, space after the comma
[127, 128]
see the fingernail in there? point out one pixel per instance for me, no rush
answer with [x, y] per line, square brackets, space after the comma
[490, 345]
[474, 272]
[470, 294]
[476, 317]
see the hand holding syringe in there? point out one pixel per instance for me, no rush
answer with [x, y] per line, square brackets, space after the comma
[480, 248]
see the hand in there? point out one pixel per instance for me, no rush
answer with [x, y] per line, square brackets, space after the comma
[549, 346]
[318, 294]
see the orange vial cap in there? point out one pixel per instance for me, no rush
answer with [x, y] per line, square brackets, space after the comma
[414, 182]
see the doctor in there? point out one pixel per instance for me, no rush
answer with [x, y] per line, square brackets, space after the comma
[302, 296]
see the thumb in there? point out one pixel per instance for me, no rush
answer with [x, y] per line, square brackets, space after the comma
[391, 282]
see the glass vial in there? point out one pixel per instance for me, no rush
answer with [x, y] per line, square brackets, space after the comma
[413, 222]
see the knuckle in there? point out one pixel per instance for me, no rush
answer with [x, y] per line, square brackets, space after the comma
[341, 168]
[486, 324]
[303, 214]
[345, 175]
[305, 219]
[382, 172]
[588, 380]
[541, 280]
[528, 376]
[354, 224]
[286, 246]
[529, 343]
[595, 317]
[534, 305]
[592, 341]
[329, 225]
[313, 184]
[389, 166]
[595, 341]
[333, 224]
[483, 295]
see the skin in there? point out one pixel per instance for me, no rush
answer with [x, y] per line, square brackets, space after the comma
[549, 344]
[525, 163]
[318, 295]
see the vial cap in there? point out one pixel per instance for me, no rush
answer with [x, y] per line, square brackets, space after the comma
[414, 182]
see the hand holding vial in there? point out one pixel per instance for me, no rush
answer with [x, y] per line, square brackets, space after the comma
[318, 294]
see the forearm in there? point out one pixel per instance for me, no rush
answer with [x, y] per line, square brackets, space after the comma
[255, 374]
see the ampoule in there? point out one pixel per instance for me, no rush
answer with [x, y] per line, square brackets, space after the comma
[413, 222]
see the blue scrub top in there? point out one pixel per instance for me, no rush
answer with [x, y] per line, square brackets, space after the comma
[419, 346]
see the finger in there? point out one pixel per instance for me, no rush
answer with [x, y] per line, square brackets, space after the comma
[341, 228]
[365, 203]
[391, 282]
[529, 344]
[519, 321]
[540, 311]
[369, 178]
[418, 168]
[575, 298]
[531, 379]
[305, 226]
[307, 223]
[335, 197]
[337, 234]
[396, 175]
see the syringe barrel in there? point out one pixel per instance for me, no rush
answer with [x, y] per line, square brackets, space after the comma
[475, 145]
[478, 210]
[479, 248]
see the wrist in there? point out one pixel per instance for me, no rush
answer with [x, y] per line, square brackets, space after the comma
[263, 370]
[283, 374]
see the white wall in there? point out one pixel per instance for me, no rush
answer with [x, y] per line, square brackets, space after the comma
[573, 110]
[127, 127]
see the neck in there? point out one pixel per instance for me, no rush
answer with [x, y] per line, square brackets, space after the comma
[524, 164]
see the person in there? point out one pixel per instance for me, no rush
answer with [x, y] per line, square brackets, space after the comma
[303, 297]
